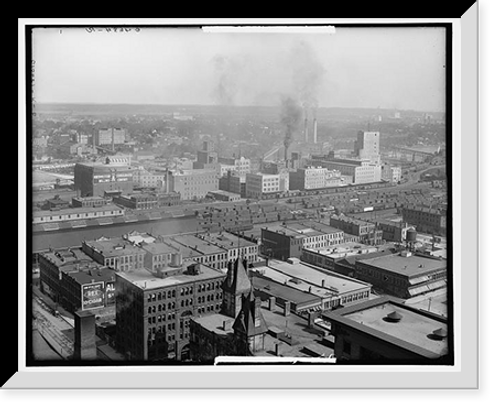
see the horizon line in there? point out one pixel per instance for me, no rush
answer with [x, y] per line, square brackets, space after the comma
[235, 106]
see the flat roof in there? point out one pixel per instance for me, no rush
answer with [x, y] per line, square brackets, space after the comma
[284, 292]
[185, 251]
[227, 240]
[113, 247]
[158, 248]
[346, 247]
[301, 230]
[94, 274]
[104, 166]
[280, 278]
[214, 323]
[76, 210]
[145, 279]
[411, 332]
[413, 265]
[336, 282]
[66, 256]
[202, 246]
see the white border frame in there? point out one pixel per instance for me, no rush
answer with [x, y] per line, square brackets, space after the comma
[464, 374]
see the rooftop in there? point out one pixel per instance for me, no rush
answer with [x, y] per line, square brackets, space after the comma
[102, 166]
[412, 265]
[93, 275]
[158, 248]
[227, 240]
[215, 323]
[344, 248]
[335, 282]
[114, 247]
[76, 210]
[303, 229]
[284, 292]
[350, 220]
[67, 256]
[145, 279]
[198, 244]
[411, 332]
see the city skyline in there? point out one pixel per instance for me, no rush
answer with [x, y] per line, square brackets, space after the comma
[355, 67]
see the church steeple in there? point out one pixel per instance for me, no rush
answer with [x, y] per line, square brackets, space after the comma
[235, 286]
[250, 326]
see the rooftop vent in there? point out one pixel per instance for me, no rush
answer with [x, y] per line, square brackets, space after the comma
[438, 335]
[393, 317]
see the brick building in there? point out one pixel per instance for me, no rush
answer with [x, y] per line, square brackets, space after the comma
[285, 240]
[426, 219]
[115, 253]
[154, 309]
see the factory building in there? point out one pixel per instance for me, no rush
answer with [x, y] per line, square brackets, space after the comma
[191, 184]
[103, 179]
[426, 219]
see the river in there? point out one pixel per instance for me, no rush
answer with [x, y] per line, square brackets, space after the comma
[59, 239]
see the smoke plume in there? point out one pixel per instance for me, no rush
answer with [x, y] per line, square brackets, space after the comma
[291, 117]
[226, 87]
[307, 74]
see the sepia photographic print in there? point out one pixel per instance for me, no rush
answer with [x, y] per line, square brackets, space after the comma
[206, 196]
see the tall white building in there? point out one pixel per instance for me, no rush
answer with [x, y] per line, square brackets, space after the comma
[367, 146]
[258, 184]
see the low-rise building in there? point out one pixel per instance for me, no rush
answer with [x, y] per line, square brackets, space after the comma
[404, 275]
[333, 289]
[89, 201]
[115, 252]
[210, 254]
[81, 213]
[234, 245]
[221, 195]
[286, 240]
[137, 201]
[366, 231]
[325, 257]
[426, 219]
[385, 331]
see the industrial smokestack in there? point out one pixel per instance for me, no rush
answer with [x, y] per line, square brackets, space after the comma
[306, 130]
[315, 131]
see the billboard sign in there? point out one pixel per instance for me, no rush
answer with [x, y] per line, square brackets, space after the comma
[110, 293]
[93, 295]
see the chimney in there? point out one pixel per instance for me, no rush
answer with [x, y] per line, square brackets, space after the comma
[226, 325]
[271, 303]
[286, 309]
[323, 283]
[315, 131]
[277, 349]
[306, 131]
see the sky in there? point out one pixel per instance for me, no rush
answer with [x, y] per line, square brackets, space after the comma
[396, 68]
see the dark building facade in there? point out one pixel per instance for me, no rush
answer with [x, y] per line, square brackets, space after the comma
[154, 309]
[426, 220]
[98, 179]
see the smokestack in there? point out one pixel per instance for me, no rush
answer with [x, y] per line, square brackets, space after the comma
[306, 131]
[315, 131]
[112, 138]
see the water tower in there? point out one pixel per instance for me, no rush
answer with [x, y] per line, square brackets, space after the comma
[411, 238]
